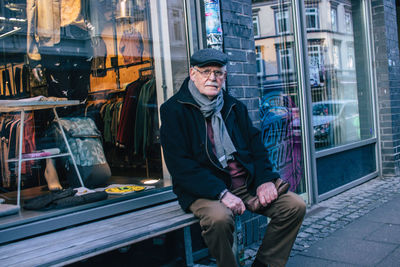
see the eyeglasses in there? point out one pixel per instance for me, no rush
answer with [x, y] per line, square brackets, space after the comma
[207, 73]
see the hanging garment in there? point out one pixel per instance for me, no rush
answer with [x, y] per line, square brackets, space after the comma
[7, 83]
[13, 81]
[45, 19]
[44, 23]
[126, 128]
[146, 119]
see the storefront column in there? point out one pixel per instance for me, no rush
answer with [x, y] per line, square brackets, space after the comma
[387, 65]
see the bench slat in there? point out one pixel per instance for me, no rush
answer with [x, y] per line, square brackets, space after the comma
[129, 220]
[95, 238]
[63, 252]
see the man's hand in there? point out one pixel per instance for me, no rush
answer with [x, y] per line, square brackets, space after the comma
[266, 193]
[234, 203]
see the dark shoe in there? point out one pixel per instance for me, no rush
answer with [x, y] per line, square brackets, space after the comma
[257, 263]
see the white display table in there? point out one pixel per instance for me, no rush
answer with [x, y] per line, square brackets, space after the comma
[29, 105]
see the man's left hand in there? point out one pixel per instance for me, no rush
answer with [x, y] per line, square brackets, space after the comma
[266, 193]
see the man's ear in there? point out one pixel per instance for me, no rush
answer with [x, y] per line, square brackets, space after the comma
[192, 73]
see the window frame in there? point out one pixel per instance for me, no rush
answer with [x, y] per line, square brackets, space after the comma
[282, 15]
[315, 13]
[256, 26]
[289, 55]
[334, 19]
[348, 22]
[259, 61]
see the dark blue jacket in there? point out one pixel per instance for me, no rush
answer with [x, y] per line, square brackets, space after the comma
[195, 170]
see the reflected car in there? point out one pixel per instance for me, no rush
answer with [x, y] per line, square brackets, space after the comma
[335, 122]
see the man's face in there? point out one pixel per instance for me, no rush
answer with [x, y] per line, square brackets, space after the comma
[208, 79]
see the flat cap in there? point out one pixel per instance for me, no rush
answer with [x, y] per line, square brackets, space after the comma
[208, 56]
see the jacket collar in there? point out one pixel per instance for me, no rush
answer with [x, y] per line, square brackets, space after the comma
[184, 96]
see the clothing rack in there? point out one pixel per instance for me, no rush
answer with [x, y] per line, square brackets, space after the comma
[145, 69]
[4, 35]
[106, 91]
[129, 65]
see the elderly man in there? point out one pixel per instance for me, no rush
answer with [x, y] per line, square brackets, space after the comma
[220, 167]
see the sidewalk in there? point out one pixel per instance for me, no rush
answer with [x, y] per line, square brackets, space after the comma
[360, 227]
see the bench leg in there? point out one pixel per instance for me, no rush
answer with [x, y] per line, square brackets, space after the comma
[238, 243]
[188, 246]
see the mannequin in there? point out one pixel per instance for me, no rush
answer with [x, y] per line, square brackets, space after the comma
[51, 176]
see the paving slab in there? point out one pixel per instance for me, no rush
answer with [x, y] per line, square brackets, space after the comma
[389, 233]
[349, 250]
[304, 261]
[386, 213]
[358, 229]
[392, 260]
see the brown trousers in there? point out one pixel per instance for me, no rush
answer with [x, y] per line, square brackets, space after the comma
[217, 224]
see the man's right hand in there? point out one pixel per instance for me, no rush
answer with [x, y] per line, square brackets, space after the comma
[234, 203]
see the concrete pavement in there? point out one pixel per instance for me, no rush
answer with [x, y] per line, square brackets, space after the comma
[360, 227]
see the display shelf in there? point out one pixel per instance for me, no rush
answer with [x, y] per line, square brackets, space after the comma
[38, 158]
[21, 105]
[24, 105]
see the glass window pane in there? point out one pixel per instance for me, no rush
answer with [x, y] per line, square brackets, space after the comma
[115, 58]
[255, 26]
[312, 18]
[334, 19]
[339, 87]
[279, 102]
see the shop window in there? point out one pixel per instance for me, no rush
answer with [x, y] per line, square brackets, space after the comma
[102, 57]
[341, 96]
[277, 83]
[256, 26]
[312, 18]
[334, 19]
[282, 22]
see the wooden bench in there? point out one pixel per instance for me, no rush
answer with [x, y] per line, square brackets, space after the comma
[83, 241]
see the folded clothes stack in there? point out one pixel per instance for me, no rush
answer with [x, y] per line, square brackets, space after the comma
[63, 199]
[41, 153]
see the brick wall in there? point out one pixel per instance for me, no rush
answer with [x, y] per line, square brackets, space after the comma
[387, 66]
[237, 26]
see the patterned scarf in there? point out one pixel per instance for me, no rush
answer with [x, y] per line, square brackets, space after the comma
[212, 108]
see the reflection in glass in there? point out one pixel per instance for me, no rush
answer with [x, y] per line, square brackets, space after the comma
[337, 80]
[178, 44]
[101, 53]
[277, 83]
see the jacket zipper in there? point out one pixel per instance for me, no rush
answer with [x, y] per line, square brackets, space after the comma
[208, 154]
